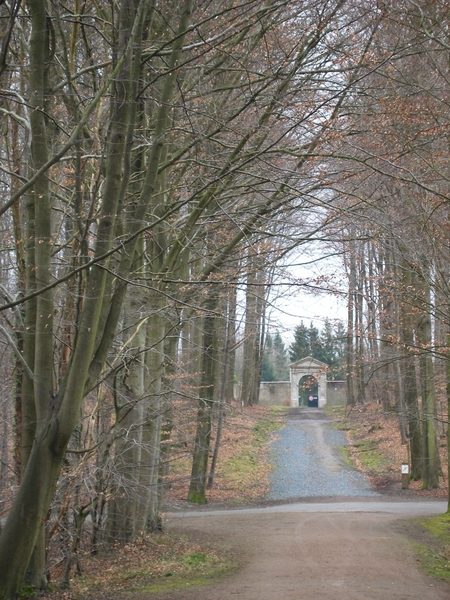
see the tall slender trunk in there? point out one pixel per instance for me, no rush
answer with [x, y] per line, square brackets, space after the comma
[229, 327]
[129, 394]
[149, 518]
[56, 415]
[388, 328]
[350, 344]
[408, 368]
[199, 472]
[359, 327]
[41, 389]
[448, 421]
[372, 321]
[424, 338]
[254, 315]
[231, 354]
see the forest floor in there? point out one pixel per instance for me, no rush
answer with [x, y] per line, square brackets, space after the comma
[375, 448]
[242, 477]
[178, 557]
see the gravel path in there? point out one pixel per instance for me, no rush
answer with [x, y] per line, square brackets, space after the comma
[308, 460]
[340, 550]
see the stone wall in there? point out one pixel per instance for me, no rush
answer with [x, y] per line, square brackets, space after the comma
[336, 393]
[275, 393]
[278, 393]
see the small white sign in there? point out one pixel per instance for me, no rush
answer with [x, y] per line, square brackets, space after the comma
[405, 468]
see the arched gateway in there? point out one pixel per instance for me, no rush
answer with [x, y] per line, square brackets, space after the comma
[308, 382]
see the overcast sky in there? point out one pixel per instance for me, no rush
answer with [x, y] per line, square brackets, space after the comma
[290, 305]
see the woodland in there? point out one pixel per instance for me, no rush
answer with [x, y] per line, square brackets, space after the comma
[160, 162]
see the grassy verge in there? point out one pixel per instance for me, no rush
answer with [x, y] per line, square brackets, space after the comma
[365, 440]
[243, 467]
[434, 554]
[156, 563]
[247, 470]
[374, 447]
[369, 455]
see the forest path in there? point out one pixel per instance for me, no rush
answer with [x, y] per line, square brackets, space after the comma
[334, 549]
[324, 555]
[309, 462]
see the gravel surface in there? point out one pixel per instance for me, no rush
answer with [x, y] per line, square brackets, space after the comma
[308, 460]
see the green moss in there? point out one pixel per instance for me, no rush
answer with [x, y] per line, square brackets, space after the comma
[197, 498]
[344, 426]
[335, 412]
[193, 570]
[370, 456]
[278, 411]
[28, 591]
[195, 559]
[178, 567]
[243, 469]
[344, 451]
[435, 555]
[264, 428]
[438, 527]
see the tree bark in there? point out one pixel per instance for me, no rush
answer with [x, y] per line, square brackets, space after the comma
[56, 415]
[424, 338]
[350, 339]
[197, 488]
[410, 377]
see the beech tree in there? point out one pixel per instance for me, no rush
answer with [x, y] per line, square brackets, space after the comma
[396, 192]
[149, 147]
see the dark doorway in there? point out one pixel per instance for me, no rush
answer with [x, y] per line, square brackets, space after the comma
[308, 392]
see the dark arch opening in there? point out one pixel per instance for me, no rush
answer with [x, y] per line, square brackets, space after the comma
[308, 391]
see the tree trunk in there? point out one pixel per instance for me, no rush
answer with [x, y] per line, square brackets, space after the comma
[424, 338]
[56, 416]
[408, 368]
[39, 199]
[254, 314]
[448, 422]
[199, 472]
[372, 320]
[29, 510]
[350, 343]
[129, 393]
[229, 327]
[150, 458]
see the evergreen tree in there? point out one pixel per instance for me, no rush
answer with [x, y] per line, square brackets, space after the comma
[267, 367]
[275, 360]
[327, 345]
[300, 347]
[333, 345]
[340, 336]
[316, 349]
[280, 358]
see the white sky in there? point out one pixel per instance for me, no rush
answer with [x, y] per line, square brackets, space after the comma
[295, 303]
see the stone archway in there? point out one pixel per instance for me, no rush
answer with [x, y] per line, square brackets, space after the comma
[306, 368]
[308, 391]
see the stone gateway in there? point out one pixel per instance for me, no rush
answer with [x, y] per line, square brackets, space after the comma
[308, 383]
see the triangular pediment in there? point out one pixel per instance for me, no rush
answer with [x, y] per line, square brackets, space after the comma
[308, 363]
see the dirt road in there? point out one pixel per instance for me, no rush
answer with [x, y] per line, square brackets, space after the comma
[320, 555]
[322, 550]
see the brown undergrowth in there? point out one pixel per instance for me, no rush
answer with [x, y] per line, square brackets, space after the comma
[242, 476]
[165, 560]
[375, 448]
[243, 467]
